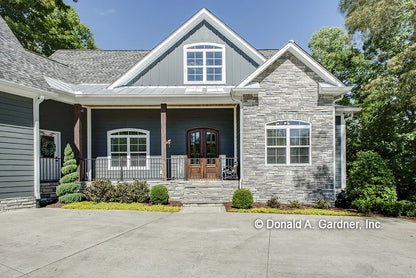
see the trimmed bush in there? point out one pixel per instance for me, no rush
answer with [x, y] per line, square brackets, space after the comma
[70, 198]
[321, 204]
[273, 202]
[68, 190]
[369, 180]
[159, 195]
[100, 191]
[294, 203]
[342, 200]
[242, 199]
[136, 192]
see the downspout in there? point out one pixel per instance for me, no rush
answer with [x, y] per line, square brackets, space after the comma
[36, 148]
[240, 102]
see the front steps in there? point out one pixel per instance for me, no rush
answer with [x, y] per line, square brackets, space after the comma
[208, 192]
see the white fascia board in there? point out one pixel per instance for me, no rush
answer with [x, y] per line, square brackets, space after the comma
[334, 91]
[128, 99]
[299, 53]
[202, 14]
[23, 90]
[346, 109]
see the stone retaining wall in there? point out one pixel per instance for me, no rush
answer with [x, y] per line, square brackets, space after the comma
[17, 203]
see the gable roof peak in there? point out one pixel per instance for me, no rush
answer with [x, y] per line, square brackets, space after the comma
[304, 57]
[172, 39]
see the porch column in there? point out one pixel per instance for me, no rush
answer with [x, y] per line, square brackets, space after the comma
[78, 136]
[36, 149]
[163, 108]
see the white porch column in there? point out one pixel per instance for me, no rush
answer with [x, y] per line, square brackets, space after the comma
[36, 149]
[89, 137]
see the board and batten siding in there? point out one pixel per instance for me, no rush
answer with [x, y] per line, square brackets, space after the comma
[16, 146]
[178, 122]
[169, 68]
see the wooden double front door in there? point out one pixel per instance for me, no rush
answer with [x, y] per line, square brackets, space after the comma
[203, 152]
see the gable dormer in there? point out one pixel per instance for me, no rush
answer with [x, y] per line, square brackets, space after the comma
[207, 40]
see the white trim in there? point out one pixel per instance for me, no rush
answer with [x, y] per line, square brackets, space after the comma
[334, 142]
[36, 147]
[128, 167]
[227, 106]
[302, 56]
[288, 145]
[235, 129]
[23, 90]
[343, 154]
[56, 138]
[89, 143]
[186, 49]
[201, 15]
[240, 185]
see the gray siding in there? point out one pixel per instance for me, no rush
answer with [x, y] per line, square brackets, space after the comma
[58, 116]
[168, 69]
[16, 146]
[178, 122]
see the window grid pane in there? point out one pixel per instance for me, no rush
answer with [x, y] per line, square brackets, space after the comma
[206, 62]
[276, 155]
[299, 155]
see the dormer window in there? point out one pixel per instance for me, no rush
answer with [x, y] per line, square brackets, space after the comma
[204, 63]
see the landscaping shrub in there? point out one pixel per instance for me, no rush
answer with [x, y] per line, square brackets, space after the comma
[363, 206]
[409, 208]
[393, 208]
[370, 179]
[321, 204]
[159, 195]
[70, 198]
[136, 192]
[100, 191]
[273, 202]
[342, 200]
[68, 187]
[242, 199]
[294, 203]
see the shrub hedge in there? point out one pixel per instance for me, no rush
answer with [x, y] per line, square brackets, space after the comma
[159, 195]
[242, 199]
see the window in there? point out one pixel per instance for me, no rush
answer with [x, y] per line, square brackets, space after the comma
[128, 148]
[204, 63]
[288, 142]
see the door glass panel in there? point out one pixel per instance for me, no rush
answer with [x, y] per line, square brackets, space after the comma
[211, 147]
[195, 146]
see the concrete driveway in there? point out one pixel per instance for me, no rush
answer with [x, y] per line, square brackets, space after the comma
[201, 243]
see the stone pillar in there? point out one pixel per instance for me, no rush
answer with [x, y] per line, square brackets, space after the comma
[163, 108]
[78, 136]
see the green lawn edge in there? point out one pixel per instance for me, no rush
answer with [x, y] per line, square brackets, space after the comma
[120, 206]
[296, 211]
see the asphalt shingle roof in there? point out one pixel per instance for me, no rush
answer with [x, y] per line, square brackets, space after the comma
[72, 66]
[25, 67]
[98, 66]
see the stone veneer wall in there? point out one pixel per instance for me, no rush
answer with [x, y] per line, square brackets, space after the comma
[290, 93]
[17, 203]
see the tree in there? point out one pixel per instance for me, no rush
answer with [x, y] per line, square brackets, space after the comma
[44, 26]
[385, 82]
[68, 190]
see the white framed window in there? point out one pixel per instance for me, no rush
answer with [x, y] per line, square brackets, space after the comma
[204, 63]
[128, 148]
[288, 143]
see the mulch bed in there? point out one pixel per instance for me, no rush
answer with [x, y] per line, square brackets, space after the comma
[288, 207]
[59, 205]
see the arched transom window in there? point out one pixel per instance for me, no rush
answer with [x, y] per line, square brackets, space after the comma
[204, 63]
[288, 142]
[128, 148]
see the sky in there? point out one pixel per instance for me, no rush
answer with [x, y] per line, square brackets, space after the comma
[142, 24]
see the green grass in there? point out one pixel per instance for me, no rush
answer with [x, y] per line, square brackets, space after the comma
[297, 211]
[120, 206]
